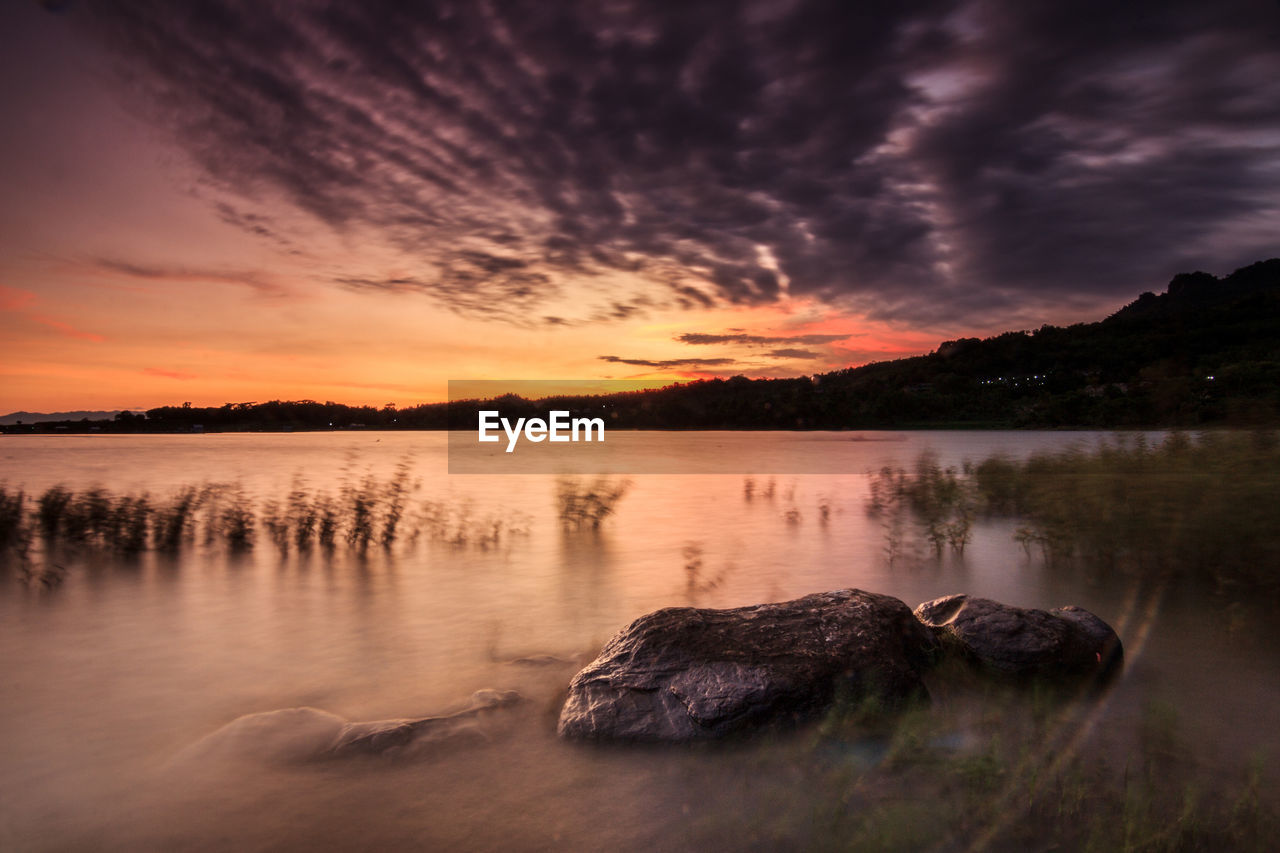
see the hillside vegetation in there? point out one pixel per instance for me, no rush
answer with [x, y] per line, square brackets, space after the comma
[1205, 352]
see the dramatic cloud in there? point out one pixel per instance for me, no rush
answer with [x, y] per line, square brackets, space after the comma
[252, 223]
[935, 162]
[793, 353]
[255, 281]
[674, 363]
[757, 340]
[468, 289]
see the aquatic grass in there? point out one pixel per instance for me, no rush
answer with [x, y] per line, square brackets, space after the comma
[173, 523]
[1205, 507]
[51, 506]
[232, 519]
[360, 502]
[1007, 785]
[327, 523]
[275, 522]
[302, 520]
[92, 518]
[942, 501]
[305, 514]
[367, 511]
[86, 516]
[459, 525]
[697, 580]
[130, 521]
[824, 511]
[395, 495]
[15, 530]
[588, 504]
[750, 489]
[41, 577]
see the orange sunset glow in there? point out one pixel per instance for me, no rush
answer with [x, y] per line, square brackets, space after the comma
[717, 426]
[353, 235]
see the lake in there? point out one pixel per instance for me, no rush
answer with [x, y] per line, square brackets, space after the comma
[111, 676]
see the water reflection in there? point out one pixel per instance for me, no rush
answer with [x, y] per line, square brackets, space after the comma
[586, 582]
[134, 657]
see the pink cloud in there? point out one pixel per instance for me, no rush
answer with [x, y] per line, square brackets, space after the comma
[12, 299]
[168, 374]
[21, 301]
[68, 329]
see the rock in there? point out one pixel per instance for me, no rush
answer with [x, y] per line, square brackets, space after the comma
[286, 735]
[384, 736]
[1069, 642]
[683, 674]
[302, 734]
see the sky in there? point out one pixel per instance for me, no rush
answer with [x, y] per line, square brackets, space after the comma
[238, 201]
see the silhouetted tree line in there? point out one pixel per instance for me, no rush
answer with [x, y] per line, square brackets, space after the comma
[1205, 352]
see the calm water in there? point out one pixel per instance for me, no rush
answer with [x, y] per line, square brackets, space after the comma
[108, 678]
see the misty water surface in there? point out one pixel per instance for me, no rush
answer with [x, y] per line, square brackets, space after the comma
[111, 675]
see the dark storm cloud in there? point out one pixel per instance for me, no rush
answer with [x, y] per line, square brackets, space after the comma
[469, 290]
[1110, 144]
[938, 162]
[252, 223]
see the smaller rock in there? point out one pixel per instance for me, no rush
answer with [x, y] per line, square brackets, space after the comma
[1068, 642]
[387, 736]
[307, 734]
[286, 735]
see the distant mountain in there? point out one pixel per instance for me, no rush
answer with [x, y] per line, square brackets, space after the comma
[40, 417]
[1205, 352]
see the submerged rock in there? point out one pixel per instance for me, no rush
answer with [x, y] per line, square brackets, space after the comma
[285, 735]
[683, 673]
[302, 734]
[1068, 642]
[383, 736]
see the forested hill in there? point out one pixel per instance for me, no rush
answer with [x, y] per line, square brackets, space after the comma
[1205, 352]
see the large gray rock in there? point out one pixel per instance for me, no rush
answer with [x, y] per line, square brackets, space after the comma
[683, 674]
[1069, 642]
